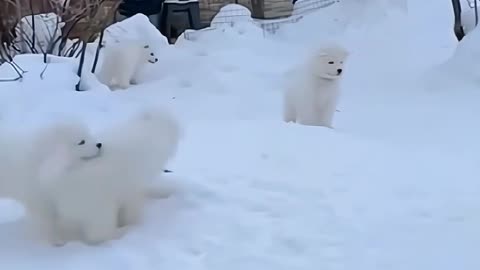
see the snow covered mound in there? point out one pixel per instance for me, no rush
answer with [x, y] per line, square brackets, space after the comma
[231, 14]
[321, 23]
[463, 64]
[35, 81]
[468, 19]
[46, 32]
[232, 24]
[236, 22]
[137, 27]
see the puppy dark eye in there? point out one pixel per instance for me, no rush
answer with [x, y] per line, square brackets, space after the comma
[331, 62]
[152, 54]
[82, 142]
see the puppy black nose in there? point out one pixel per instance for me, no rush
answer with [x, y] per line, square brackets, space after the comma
[339, 71]
[99, 145]
[156, 59]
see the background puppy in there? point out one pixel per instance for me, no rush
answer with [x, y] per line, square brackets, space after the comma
[311, 97]
[122, 63]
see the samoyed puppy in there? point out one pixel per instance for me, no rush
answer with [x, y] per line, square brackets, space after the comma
[97, 200]
[27, 162]
[123, 62]
[311, 96]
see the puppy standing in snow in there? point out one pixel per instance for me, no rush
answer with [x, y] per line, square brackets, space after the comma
[96, 200]
[122, 63]
[27, 162]
[311, 97]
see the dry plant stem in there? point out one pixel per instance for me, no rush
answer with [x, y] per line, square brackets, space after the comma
[19, 77]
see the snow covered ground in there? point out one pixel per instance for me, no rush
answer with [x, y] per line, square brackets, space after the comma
[393, 187]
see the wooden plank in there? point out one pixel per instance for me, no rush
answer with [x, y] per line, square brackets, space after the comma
[258, 9]
[274, 9]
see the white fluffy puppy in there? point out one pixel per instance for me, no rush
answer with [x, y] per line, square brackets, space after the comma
[141, 148]
[27, 163]
[311, 96]
[123, 62]
[98, 199]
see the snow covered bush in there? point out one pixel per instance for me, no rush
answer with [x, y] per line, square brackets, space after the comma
[38, 33]
[51, 23]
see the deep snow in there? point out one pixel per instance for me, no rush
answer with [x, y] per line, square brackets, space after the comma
[393, 187]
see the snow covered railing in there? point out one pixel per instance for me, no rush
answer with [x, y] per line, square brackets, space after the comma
[231, 14]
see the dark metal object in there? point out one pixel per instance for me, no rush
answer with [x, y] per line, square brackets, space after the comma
[192, 9]
[129, 8]
[457, 26]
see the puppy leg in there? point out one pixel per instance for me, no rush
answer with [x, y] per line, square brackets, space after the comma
[123, 83]
[289, 114]
[134, 78]
[101, 225]
[131, 210]
[133, 81]
[306, 115]
[43, 216]
[56, 236]
[50, 230]
[56, 230]
[325, 114]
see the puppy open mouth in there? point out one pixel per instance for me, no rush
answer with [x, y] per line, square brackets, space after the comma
[153, 61]
[96, 155]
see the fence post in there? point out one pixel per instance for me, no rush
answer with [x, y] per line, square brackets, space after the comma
[457, 27]
[258, 9]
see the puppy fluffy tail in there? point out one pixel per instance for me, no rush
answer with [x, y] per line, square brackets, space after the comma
[164, 120]
[164, 126]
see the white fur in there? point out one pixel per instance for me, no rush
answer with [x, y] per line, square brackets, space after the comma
[122, 63]
[98, 199]
[26, 163]
[312, 94]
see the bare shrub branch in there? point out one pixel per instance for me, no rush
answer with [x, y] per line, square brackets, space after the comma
[22, 23]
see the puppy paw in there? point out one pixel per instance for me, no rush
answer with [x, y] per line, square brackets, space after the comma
[121, 232]
[57, 241]
[155, 192]
[124, 86]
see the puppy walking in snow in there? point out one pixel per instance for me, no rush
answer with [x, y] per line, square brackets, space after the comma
[311, 97]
